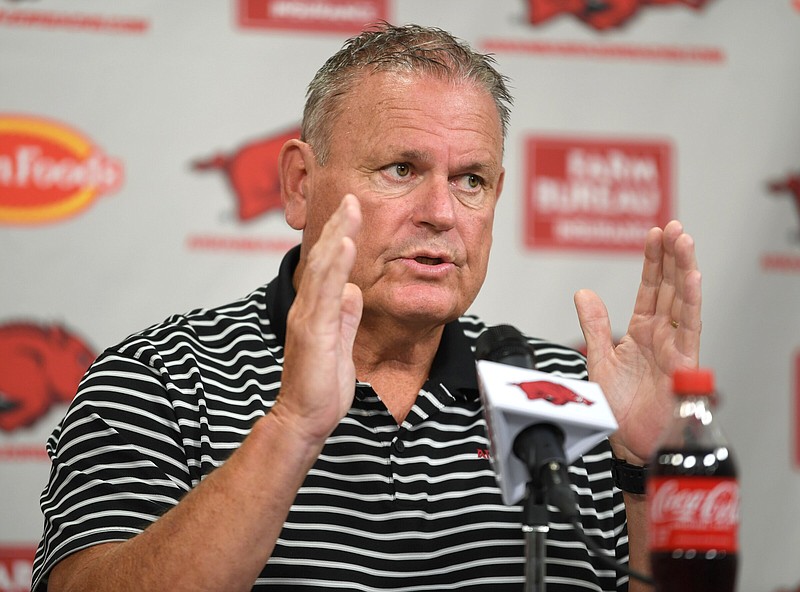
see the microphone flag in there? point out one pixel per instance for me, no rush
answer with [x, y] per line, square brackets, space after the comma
[515, 398]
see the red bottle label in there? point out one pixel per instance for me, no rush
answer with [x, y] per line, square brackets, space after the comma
[700, 513]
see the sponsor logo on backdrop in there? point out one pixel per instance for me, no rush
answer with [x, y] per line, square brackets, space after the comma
[40, 366]
[16, 568]
[595, 194]
[786, 188]
[90, 23]
[251, 172]
[50, 171]
[797, 412]
[345, 16]
[603, 15]
[599, 14]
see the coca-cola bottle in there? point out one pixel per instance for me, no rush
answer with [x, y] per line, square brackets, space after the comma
[693, 495]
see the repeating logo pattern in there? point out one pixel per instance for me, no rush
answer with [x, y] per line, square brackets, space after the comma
[346, 16]
[40, 366]
[599, 14]
[50, 171]
[595, 194]
[252, 172]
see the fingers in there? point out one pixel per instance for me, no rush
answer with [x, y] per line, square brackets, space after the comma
[330, 262]
[595, 324]
[647, 296]
[319, 374]
[687, 336]
[670, 290]
[668, 257]
[352, 306]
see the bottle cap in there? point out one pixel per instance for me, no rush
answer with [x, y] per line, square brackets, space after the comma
[693, 381]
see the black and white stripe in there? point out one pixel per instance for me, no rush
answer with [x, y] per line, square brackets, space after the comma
[413, 507]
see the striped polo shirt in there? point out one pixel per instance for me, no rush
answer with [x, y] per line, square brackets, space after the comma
[411, 507]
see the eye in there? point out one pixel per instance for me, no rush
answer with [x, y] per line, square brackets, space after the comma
[470, 188]
[474, 181]
[470, 182]
[402, 169]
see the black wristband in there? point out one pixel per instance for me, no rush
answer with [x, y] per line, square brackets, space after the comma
[627, 477]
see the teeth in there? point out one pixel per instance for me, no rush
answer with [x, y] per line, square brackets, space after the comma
[427, 260]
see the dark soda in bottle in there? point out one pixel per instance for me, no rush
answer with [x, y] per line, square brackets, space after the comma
[693, 495]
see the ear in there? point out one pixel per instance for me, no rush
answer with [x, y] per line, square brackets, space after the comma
[295, 163]
[500, 182]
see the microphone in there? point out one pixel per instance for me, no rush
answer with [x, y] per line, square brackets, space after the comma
[538, 423]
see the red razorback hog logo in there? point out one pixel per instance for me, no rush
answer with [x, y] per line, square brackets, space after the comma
[552, 393]
[791, 185]
[599, 14]
[39, 366]
[252, 171]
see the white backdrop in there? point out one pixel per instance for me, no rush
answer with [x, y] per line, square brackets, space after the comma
[651, 110]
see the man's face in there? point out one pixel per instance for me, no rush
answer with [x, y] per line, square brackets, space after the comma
[424, 158]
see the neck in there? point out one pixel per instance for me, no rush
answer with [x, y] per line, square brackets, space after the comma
[396, 363]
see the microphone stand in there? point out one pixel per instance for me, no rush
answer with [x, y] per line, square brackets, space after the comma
[535, 526]
[541, 448]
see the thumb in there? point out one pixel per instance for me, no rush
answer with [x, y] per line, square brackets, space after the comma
[595, 324]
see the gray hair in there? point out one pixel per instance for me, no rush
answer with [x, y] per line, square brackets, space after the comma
[389, 48]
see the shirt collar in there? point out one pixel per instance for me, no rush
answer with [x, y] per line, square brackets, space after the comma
[280, 294]
[453, 366]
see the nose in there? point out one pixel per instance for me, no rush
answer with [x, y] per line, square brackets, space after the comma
[435, 205]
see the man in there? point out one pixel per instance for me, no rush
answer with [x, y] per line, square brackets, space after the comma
[227, 449]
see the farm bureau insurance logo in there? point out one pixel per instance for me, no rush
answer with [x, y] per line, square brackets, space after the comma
[345, 16]
[595, 194]
[50, 171]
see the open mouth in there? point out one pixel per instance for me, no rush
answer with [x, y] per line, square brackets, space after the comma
[428, 260]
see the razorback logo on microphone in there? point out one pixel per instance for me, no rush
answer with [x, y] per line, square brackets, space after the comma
[252, 173]
[599, 14]
[346, 16]
[50, 171]
[551, 392]
[40, 366]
